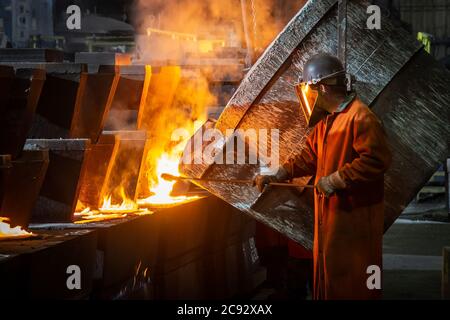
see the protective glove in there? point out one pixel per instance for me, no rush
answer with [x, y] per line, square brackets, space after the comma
[330, 184]
[261, 181]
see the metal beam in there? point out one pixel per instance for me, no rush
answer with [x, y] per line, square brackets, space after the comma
[342, 32]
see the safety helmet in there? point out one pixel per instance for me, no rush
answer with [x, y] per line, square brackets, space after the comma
[320, 69]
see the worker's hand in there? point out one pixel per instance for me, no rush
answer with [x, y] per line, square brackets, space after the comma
[261, 181]
[330, 184]
[324, 187]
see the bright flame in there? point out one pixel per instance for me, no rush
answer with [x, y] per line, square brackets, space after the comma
[127, 204]
[168, 163]
[176, 109]
[6, 232]
[109, 211]
[162, 189]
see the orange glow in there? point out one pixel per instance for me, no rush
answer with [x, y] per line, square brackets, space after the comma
[162, 189]
[109, 211]
[171, 127]
[305, 90]
[206, 46]
[127, 204]
[6, 232]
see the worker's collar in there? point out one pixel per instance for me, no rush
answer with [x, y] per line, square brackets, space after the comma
[348, 100]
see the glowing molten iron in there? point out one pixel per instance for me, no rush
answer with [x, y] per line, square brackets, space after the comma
[6, 232]
[162, 189]
[109, 211]
[127, 205]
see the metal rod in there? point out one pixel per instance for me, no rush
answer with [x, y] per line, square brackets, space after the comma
[234, 181]
[291, 185]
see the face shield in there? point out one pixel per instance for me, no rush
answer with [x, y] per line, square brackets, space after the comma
[308, 95]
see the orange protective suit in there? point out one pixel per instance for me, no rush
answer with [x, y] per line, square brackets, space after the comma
[348, 228]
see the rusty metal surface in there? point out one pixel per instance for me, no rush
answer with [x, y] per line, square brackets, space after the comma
[405, 88]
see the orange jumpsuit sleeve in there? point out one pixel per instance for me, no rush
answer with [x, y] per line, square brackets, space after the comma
[369, 142]
[305, 163]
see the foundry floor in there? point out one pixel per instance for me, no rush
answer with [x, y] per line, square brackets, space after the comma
[413, 255]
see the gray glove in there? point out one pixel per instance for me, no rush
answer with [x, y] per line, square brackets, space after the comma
[261, 181]
[330, 184]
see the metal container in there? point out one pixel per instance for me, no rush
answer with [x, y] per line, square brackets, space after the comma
[36, 269]
[20, 100]
[74, 103]
[125, 165]
[402, 84]
[31, 55]
[26, 177]
[96, 59]
[5, 171]
[204, 253]
[61, 187]
[57, 105]
[6, 82]
[99, 160]
[160, 95]
[129, 97]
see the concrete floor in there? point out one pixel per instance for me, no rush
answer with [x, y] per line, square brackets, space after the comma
[413, 258]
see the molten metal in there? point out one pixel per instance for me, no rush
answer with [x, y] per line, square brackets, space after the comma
[162, 189]
[109, 211]
[7, 233]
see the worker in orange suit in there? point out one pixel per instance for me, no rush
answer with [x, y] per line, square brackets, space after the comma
[348, 154]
